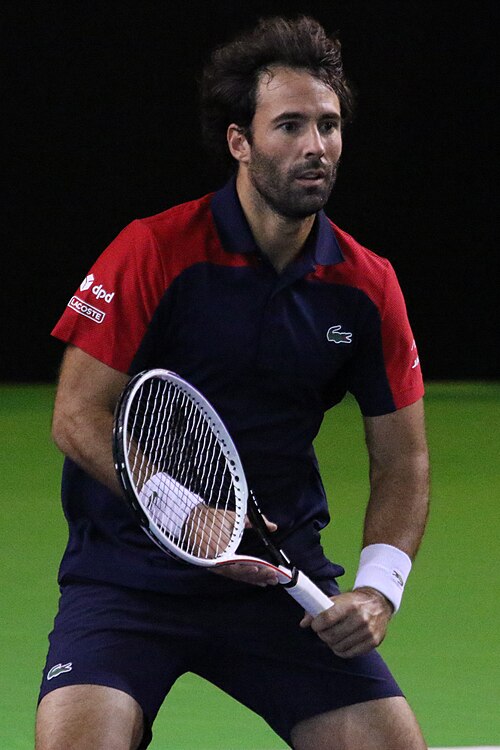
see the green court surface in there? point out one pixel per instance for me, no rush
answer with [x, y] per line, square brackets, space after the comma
[443, 645]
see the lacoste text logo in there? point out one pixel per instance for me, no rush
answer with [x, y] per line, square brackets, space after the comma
[59, 669]
[83, 308]
[338, 336]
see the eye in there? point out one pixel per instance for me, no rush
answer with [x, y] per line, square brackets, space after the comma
[289, 127]
[328, 126]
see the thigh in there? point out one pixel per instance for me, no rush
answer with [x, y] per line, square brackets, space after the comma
[113, 638]
[261, 657]
[376, 725]
[88, 717]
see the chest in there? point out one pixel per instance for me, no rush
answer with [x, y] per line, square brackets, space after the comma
[231, 320]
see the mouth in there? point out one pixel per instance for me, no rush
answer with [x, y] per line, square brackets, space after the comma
[311, 176]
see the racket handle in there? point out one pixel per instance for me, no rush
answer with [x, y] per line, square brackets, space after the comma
[306, 593]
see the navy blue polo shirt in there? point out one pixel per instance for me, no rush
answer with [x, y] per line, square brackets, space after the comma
[189, 290]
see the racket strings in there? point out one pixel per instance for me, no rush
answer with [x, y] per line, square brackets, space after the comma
[180, 470]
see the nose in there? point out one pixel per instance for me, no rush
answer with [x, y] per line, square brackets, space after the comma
[314, 145]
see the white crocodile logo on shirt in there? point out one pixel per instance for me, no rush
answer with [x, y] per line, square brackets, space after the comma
[338, 336]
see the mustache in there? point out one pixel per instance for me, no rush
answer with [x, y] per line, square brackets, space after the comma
[316, 165]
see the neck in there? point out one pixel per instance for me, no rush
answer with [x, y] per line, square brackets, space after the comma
[280, 238]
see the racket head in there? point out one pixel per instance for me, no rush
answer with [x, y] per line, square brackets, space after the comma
[179, 468]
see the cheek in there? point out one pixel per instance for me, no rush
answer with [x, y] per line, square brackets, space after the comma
[337, 146]
[275, 161]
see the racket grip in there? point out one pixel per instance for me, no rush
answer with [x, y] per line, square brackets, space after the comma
[306, 593]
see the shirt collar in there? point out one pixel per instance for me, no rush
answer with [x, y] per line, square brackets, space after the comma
[236, 237]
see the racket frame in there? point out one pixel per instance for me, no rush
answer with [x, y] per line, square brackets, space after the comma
[124, 470]
[296, 583]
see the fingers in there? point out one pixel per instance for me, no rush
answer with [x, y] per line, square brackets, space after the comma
[347, 641]
[245, 572]
[356, 625]
[257, 575]
[271, 527]
[357, 643]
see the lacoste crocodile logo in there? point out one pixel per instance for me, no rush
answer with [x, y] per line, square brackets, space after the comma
[58, 669]
[338, 336]
[398, 578]
[416, 360]
[152, 500]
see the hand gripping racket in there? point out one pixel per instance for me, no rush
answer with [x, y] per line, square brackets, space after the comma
[183, 478]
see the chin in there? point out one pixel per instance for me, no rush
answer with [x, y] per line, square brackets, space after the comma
[305, 208]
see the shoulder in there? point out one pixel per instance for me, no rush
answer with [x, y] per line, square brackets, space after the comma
[182, 234]
[360, 268]
[360, 264]
[180, 237]
[185, 218]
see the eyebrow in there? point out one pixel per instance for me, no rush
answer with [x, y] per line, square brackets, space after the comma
[301, 116]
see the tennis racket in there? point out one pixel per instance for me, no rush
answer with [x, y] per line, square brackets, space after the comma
[183, 478]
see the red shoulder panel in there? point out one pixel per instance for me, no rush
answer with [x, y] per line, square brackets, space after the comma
[109, 313]
[375, 276]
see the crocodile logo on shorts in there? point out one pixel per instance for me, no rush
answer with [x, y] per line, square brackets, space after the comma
[338, 336]
[58, 669]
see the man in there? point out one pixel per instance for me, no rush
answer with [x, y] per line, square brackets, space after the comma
[254, 296]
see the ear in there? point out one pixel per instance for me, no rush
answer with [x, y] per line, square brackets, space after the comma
[238, 144]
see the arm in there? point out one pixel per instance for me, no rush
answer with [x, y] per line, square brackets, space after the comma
[82, 429]
[396, 515]
[82, 423]
[399, 479]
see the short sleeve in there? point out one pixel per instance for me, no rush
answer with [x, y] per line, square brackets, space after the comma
[109, 313]
[385, 372]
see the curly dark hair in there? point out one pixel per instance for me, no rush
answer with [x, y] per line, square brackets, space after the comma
[230, 79]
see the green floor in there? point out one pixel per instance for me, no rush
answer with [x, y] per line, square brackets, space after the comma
[443, 646]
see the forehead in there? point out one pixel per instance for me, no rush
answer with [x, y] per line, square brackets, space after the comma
[281, 89]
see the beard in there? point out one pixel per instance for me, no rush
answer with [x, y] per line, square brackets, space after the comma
[281, 191]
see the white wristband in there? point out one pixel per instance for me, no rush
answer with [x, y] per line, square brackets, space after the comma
[168, 514]
[384, 568]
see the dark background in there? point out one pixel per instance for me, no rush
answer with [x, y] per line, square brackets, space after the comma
[102, 128]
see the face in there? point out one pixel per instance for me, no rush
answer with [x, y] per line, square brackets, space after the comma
[295, 143]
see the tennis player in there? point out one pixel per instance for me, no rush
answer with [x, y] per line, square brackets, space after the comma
[253, 295]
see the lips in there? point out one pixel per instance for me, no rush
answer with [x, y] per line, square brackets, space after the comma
[312, 175]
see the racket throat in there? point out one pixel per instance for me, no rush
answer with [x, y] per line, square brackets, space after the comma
[293, 580]
[275, 556]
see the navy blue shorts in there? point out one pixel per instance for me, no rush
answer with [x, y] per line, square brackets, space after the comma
[249, 645]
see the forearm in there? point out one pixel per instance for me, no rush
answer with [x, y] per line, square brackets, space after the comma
[395, 516]
[89, 444]
[398, 506]
[399, 479]
[82, 424]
